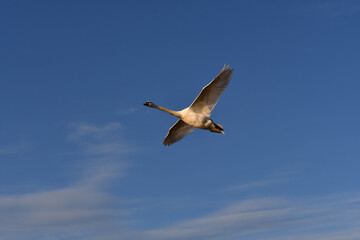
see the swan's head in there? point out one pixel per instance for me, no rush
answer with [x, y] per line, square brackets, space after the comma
[217, 128]
[149, 104]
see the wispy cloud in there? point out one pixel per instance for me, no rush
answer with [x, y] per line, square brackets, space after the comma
[8, 149]
[15, 148]
[100, 140]
[73, 211]
[81, 209]
[126, 111]
[86, 210]
[272, 218]
[257, 184]
[277, 178]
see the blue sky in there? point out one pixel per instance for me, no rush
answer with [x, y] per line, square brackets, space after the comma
[81, 158]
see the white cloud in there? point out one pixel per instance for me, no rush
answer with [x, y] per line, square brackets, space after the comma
[277, 178]
[20, 147]
[83, 129]
[76, 210]
[126, 111]
[100, 140]
[272, 218]
[85, 210]
[256, 184]
[8, 149]
[81, 209]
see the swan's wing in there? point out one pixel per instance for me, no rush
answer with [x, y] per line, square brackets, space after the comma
[210, 94]
[177, 132]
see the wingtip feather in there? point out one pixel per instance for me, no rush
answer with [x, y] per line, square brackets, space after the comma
[227, 68]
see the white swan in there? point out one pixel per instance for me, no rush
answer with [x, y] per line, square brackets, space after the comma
[198, 114]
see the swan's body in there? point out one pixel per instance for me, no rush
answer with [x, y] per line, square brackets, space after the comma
[198, 114]
[194, 119]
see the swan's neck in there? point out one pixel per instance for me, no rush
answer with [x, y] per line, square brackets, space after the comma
[175, 113]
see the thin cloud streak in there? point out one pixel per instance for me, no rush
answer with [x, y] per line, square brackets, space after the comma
[256, 184]
[86, 210]
[264, 217]
[15, 148]
[100, 140]
[78, 209]
[83, 207]
[7, 150]
[126, 111]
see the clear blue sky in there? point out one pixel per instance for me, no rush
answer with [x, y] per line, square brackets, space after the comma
[81, 158]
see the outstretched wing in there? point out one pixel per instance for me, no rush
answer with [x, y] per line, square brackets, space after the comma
[210, 94]
[177, 132]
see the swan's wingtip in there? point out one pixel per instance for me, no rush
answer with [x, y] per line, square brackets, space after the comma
[227, 68]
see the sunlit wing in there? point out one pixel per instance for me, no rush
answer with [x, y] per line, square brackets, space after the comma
[177, 132]
[210, 94]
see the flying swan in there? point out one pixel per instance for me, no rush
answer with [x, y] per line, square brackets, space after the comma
[198, 114]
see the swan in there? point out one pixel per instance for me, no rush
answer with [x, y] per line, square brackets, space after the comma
[197, 115]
